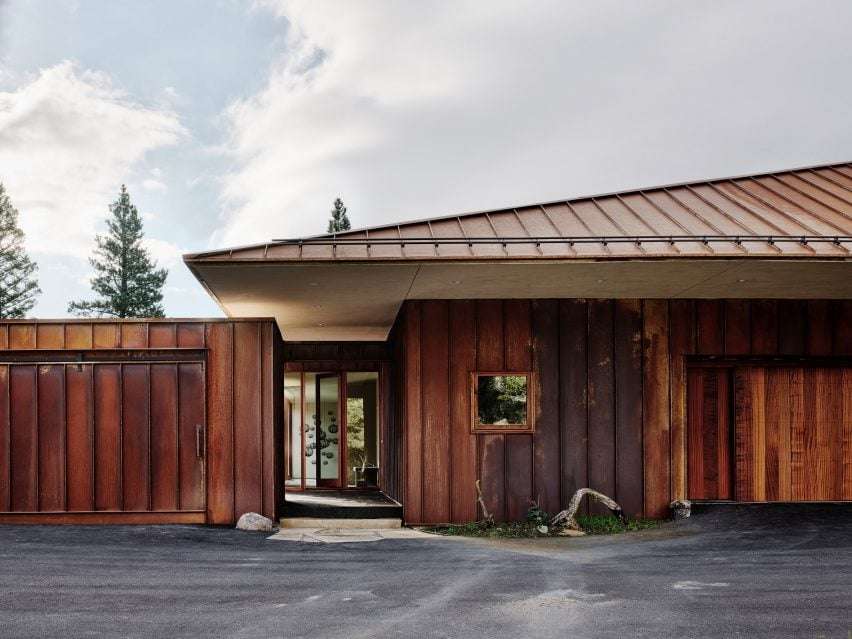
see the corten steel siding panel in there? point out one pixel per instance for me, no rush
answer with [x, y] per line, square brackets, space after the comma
[517, 335]
[490, 352]
[573, 398]
[247, 419]
[24, 437]
[546, 441]
[5, 441]
[80, 436]
[164, 435]
[107, 404]
[191, 415]
[51, 437]
[135, 437]
[220, 423]
[682, 342]
[656, 407]
[436, 433]
[462, 441]
[413, 432]
[602, 461]
[628, 404]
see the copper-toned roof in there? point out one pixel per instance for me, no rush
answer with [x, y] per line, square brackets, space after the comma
[797, 213]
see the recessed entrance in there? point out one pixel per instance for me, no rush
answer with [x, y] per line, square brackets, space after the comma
[332, 430]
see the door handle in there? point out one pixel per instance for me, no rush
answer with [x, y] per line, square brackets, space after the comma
[199, 441]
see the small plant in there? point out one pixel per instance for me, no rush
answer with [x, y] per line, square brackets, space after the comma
[538, 517]
[609, 525]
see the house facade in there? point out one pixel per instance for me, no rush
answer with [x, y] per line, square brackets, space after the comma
[690, 341]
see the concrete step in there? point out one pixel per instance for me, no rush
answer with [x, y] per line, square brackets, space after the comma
[317, 523]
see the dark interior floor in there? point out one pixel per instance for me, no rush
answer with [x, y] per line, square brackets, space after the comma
[341, 504]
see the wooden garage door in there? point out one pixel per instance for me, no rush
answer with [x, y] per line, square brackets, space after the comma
[112, 441]
[770, 433]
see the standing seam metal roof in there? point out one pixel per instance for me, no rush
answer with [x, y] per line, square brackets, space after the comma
[797, 213]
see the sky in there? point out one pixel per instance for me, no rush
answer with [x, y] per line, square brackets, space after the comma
[236, 122]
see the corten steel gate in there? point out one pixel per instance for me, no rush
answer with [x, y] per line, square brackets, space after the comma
[139, 421]
[108, 437]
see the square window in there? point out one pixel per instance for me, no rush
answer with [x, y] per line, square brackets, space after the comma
[501, 402]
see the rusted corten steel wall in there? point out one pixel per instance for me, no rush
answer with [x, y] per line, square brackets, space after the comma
[99, 420]
[611, 398]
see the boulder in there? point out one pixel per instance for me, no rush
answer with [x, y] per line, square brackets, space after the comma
[254, 521]
[681, 508]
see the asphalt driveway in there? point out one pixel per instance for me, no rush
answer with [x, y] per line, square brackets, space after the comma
[730, 575]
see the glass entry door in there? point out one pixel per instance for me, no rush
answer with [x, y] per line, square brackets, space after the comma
[331, 443]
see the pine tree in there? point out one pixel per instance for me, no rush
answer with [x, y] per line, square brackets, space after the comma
[127, 281]
[339, 221]
[18, 283]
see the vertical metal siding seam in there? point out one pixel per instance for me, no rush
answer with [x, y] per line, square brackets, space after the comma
[65, 426]
[503, 437]
[669, 392]
[420, 392]
[586, 447]
[121, 433]
[262, 464]
[93, 439]
[179, 388]
[37, 439]
[148, 447]
[8, 505]
[450, 404]
[233, 420]
[613, 304]
[559, 387]
[642, 397]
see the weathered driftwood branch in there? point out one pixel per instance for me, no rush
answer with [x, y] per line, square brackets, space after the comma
[486, 516]
[566, 517]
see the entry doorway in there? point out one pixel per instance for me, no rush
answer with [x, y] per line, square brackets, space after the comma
[332, 430]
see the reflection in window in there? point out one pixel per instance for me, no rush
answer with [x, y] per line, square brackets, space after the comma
[501, 402]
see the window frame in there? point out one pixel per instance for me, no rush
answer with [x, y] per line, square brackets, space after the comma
[492, 429]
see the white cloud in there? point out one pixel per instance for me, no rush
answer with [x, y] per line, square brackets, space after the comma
[154, 185]
[166, 253]
[68, 139]
[417, 109]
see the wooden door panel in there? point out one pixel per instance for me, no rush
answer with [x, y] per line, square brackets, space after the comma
[792, 434]
[708, 419]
